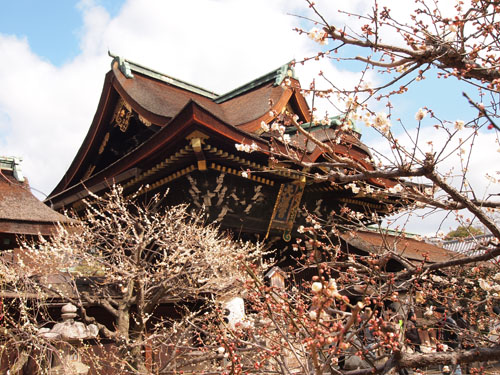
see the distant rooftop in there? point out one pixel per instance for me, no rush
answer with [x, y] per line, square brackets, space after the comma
[20, 211]
[471, 245]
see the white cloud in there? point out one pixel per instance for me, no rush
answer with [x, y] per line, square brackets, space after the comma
[44, 111]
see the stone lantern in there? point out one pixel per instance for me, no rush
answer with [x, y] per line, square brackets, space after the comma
[67, 337]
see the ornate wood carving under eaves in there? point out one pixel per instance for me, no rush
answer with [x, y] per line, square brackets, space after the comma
[122, 115]
[144, 121]
[286, 207]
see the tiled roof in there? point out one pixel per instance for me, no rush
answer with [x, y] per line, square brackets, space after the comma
[165, 98]
[157, 96]
[472, 245]
[410, 248]
[21, 212]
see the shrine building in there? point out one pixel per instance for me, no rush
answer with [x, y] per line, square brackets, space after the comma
[152, 133]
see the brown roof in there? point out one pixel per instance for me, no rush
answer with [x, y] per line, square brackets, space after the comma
[21, 212]
[410, 248]
[166, 100]
[156, 96]
[245, 108]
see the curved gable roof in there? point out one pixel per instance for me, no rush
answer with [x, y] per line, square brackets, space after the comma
[158, 99]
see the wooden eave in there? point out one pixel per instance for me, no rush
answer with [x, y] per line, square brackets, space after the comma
[192, 117]
[22, 213]
[299, 102]
[149, 116]
[27, 228]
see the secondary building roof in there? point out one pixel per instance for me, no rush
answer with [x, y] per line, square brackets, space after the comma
[20, 211]
[415, 250]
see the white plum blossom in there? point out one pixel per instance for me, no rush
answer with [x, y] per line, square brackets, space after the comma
[382, 122]
[366, 85]
[319, 36]
[346, 126]
[429, 311]
[313, 33]
[358, 215]
[246, 148]
[316, 287]
[421, 113]
[349, 102]
[437, 279]
[381, 119]
[368, 189]
[286, 138]
[396, 189]
[301, 229]
[332, 285]
[264, 126]
[243, 147]
[275, 127]
[244, 174]
[459, 124]
[355, 188]
[485, 285]
[313, 315]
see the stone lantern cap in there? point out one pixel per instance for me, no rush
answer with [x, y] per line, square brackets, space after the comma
[69, 330]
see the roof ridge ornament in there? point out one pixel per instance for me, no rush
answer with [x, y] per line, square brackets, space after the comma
[123, 64]
[124, 67]
[278, 75]
[12, 163]
[285, 71]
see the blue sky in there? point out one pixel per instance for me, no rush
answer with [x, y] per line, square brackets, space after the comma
[53, 58]
[52, 27]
